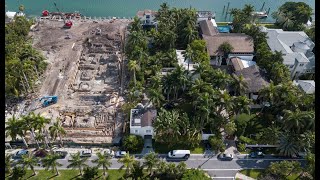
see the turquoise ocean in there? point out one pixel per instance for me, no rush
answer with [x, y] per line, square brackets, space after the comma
[129, 8]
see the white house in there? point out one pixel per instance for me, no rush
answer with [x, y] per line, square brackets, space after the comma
[186, 63]
[308, 86]
[296, 48]
[147, 17]
[141, 121]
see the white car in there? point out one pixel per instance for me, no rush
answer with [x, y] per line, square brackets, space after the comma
[86, 153]
[120, 154]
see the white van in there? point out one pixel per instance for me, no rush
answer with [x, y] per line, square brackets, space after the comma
[179, 154]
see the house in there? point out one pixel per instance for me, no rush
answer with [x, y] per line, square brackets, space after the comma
[147, 18]
[296, 48]
[242, 44]
[254, 78]
[239, 64]
[141, 120]
[204, 15]
[308, 86]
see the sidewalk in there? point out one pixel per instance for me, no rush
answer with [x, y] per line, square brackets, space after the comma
[243, 177]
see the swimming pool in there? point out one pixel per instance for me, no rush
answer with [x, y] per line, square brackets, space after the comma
[223, 29]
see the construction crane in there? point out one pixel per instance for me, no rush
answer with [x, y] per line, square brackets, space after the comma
[67, 24]
[48, 100]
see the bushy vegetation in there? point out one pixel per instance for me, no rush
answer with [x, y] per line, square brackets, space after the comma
[23, 64]
[132, 143]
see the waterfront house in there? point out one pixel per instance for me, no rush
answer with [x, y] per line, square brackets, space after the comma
[308, 86]
[296, 48]
[254, 78]
[242, 44]
[141, 120]
[147, 18]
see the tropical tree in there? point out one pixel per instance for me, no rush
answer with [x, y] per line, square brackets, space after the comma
[127, 162]
[195, 174]
[239, 85]
[77, 162]
[18, 173]
[283, 169]
[216, 143]
[156, 97]
[21, 8]
[136, 24]
[132, 143]
[230, 128]
[56, 130]
[225, 48]
[151, 161]
[13, 128]
[299, 121]
[50, 161]
[137, 171]
[103, 161]
[134, 67]
[289, 144]
[29, 160]
[90, 173]
[8, 164]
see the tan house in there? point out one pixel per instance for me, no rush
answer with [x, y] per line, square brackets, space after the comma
[242, 44]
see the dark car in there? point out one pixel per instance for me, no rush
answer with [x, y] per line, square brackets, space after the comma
[256, 154]
[41, 153]
[225, 157]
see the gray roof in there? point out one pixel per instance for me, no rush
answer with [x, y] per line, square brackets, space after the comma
[207, 28]
[290, 58]
[279, 40]
[254, 77]
[307, 86]
[237, 64]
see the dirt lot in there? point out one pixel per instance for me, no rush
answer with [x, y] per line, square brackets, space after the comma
[84, 71]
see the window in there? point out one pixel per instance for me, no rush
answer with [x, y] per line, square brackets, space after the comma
[148, 131]
[136, 131]
[301, 64]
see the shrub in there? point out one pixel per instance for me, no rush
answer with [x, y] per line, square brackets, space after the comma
[132, 143]
[215, 142]
[242, 147]
[245, 140]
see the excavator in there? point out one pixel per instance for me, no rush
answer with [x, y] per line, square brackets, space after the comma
[48, 100]
[67, 24]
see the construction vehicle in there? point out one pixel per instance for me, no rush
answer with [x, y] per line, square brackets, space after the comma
[67, 24]
[48, 100]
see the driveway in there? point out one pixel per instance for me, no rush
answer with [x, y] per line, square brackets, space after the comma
[147, 147]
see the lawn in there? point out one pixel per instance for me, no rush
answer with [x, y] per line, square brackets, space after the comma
[254, 173]
[69, 174]
[164, 149]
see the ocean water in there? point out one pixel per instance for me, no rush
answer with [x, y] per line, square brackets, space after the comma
[129, 8]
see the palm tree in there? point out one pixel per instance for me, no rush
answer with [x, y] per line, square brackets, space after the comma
[21, 8]
[134, 67]
[225, 48]
[136, 25]
[29, 125]
[127, 162]
[285, 20]
[240, 85]
[57, 130]
[151, 161]
[8, 164]
[14, 128]
[77, 162]
[137, 171]
[299, 121]
[104, 161]
[156, 97]
[288, 144]
[40, 124]
[30, 161]
[50, 161]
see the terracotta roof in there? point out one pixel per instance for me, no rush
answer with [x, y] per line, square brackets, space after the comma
[207, 28]
[241, 43]
[146, 11]
[254, 77]
[148, 117]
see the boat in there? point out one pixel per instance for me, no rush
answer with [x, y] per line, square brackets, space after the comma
[260, 14]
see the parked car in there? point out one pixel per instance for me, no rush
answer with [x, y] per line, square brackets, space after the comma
[256, 154]
[86, 153]
[41, 153]
[179, 154]
[225, 157]
[120, 154]
[108, 152]
[20, 153]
